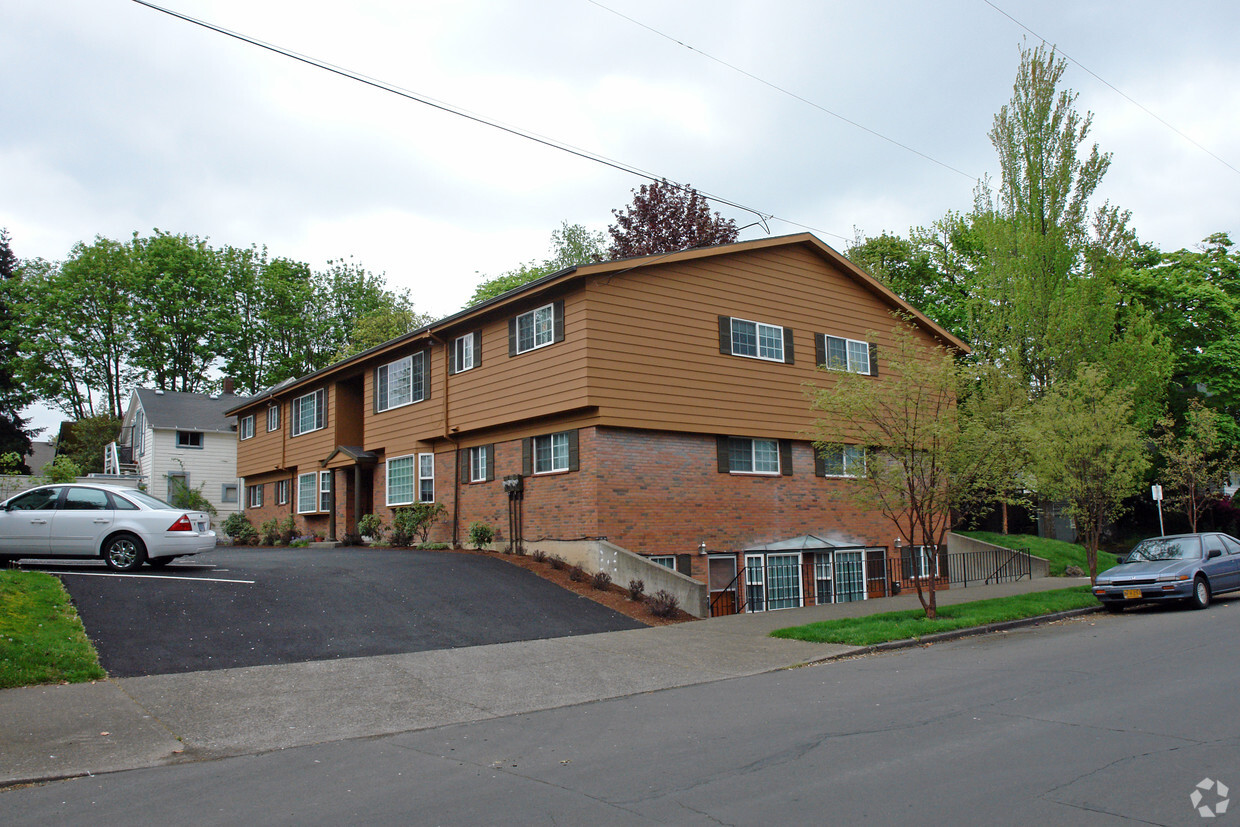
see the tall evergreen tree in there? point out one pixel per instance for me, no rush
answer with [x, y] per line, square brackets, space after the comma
[14, 396]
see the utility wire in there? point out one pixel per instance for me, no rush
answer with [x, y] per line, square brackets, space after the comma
[784, 91]
[1119, 92]
[763, 217]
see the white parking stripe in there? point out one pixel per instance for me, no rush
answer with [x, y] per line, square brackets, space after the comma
[148, 576]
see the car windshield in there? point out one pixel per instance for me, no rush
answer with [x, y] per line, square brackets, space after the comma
[147, 500]
[1166, 548]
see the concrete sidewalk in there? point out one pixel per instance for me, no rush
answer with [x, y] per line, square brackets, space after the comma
[60, 731]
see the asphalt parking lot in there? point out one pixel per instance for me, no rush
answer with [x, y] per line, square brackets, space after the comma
[249, 607]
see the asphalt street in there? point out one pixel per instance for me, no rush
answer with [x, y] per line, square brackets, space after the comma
[1101, 720]
[251, 607]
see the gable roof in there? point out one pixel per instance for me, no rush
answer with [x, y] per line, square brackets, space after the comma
[438, 329]
[187, 411]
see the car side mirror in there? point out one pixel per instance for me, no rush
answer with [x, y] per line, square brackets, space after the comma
[1214, 552]
[1119, 559]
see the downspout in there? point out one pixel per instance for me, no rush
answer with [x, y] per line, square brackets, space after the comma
[450, 437]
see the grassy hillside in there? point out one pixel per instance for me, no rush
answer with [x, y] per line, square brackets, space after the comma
[1060, 554]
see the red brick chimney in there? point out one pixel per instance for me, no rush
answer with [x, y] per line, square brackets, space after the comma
[229, 388]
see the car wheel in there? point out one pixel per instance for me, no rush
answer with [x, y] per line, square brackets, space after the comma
[1201, 593]
[1113, 608]
[124, 552]
[159, 562]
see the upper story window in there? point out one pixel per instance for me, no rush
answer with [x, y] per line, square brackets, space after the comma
[838, 353]
[537, 328]
[402, 382]
[466, 352]
[193, 439]
[273, 418]
[308, 413]
[755, 340]
[245, 429]
[842, 461]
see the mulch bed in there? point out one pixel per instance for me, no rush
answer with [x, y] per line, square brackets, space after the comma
[614, 597]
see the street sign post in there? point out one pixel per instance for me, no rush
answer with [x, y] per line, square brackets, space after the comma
[1156, 493]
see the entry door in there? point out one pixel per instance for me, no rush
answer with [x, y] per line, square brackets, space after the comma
[783, 580]
[722, 577]
[849, 576]
[824, 591]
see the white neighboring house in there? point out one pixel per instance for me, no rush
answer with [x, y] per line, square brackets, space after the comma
[166, 435]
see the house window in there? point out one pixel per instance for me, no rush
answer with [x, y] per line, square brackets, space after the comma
[535, 329]
[426, 478]
[465, 351]
[400, 383]
[844, 461]
[480, 469]
[917, 561]
[847, 354]
[177, 481]
[550, 453]
[281, 492]
[307, 492]
[760, 341]
[139, 433]
[325, 491]
[400, 480]
[246, 429]
[228, 492]
[254, 496]
[753, 456]
[667, 561]
[273, 418]
[193, 439]
[308, 414]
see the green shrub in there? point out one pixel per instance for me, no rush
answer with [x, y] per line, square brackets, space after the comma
[269, 532]
[62, 469]
[370, 525]
[240, 530]
[191, 499]
[481, 535]
[433, 546]
[411, 523]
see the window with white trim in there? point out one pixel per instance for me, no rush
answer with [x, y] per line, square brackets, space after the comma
[667, 561]
[551, 453]
[193, 439]
[426, 478]
[139, 433]
[307, 492]
[463, 350]
[281, 492]
[480, 464]
[245, 429]
[753, 456]
[254, 496]
[325, 491]
[757, 340]
[844, 461]
[847, 354]
[308, 413]
[399, 482]
[400, 383]
[536, 328]
[273, 418]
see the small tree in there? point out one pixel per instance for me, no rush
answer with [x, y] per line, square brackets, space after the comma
[665, 218]
[1197, 464]
[1085, 449]
[411, 523]
[923, 454]
[61, 469]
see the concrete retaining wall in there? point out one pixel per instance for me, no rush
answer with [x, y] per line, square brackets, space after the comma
[623, 566]
[959, 543]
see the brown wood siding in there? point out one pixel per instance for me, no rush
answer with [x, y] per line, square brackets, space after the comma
[655, 359]
[264, 452]
[406, 429]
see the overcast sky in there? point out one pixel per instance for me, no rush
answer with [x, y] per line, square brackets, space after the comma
[118, 118]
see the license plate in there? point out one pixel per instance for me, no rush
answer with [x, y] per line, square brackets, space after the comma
[202, 527]
[1132, 594]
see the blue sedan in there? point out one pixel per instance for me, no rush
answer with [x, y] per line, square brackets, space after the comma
[1188, 567]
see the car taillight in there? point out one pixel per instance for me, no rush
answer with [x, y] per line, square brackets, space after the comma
[182, 524]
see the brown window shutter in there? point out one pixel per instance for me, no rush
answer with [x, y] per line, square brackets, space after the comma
[725, 335]
[453, 367]
[374, 391]
[574, 452]
[820, 464]
[684, 564]
[425, 368]
[527, 456]
[873, 359]
[725, 456]
[477, 348]
[490, 452]
[785, 457]
[557, 311]
[512, 336]
[787, 346]
[820, 350]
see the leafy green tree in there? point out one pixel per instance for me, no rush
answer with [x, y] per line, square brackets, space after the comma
[1087, 450]
[666, 218]
[571, 245]
[394, 317]
[62, 469]
[86, 439]
[1197, 463]
[14, 396]
[927, 450]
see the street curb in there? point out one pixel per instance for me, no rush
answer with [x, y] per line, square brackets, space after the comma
[956, 634]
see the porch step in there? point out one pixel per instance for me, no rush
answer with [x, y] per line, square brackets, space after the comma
[327, 544]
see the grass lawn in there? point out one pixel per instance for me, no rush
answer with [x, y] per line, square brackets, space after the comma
[41, 635]
[1060, 554]
[905, 625]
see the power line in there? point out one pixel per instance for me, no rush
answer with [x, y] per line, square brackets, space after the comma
[585, 154]
[784, 91]
[1106, 83]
